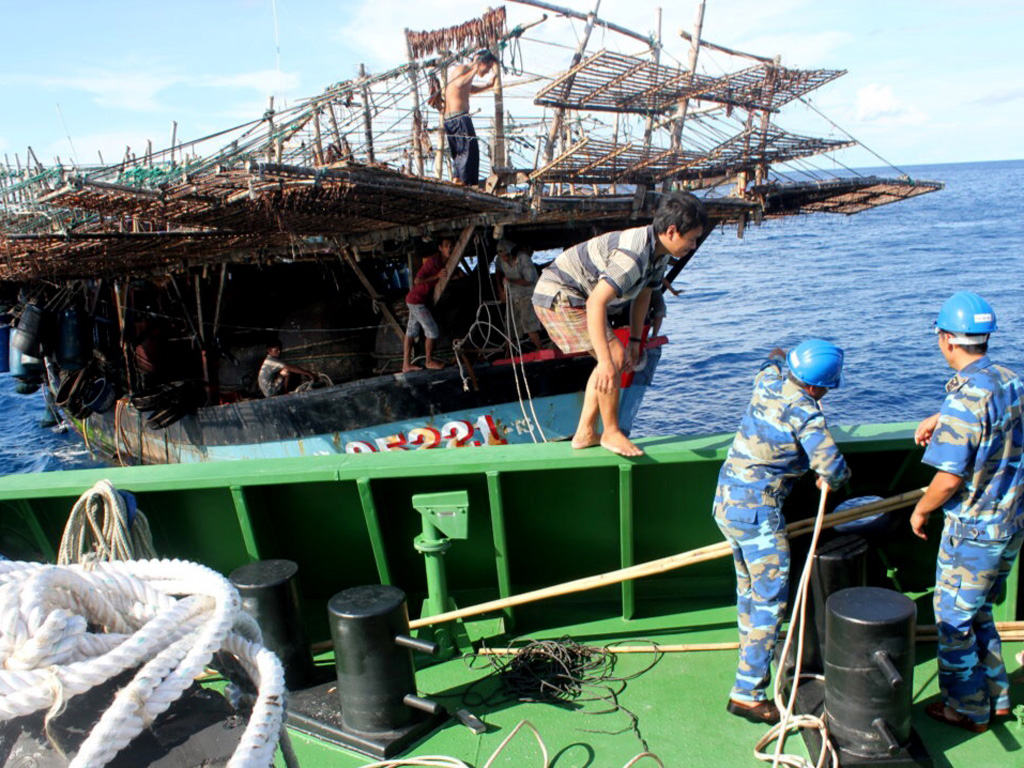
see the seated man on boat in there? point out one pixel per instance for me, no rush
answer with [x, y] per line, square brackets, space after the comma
[782, 435]
[575, 292]
[420, 317]
[518, 278]
[458, 125]
[275, 376]
[975, 444]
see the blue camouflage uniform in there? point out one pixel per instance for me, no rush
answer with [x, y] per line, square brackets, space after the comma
[980, 438]
[781, 436]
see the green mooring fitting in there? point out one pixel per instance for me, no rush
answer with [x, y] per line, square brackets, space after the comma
[447, 511]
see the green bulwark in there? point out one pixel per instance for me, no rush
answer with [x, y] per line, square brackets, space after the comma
[536, 516]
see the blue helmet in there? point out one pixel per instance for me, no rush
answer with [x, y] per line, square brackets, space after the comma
[968, 317]
[817, 362]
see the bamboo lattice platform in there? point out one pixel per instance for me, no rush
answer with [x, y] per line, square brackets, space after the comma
[617, 82]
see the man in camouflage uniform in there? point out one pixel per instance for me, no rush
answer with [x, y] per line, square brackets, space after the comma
[975, 443]
[781, 436]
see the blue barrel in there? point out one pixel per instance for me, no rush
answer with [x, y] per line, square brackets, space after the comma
[27, 335]
[74, 344]
[5, 341]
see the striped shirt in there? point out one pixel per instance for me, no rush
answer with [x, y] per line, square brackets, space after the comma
[625, 260]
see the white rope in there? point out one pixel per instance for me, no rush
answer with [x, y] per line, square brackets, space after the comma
[98, 528]
[788, 722]
[66, 629]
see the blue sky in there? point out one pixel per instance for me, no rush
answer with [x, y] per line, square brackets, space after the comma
[929, 81]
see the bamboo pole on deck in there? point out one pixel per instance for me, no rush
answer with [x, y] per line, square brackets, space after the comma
[1009, 631]
[663, 565]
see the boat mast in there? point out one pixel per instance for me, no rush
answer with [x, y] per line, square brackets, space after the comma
[680, 118]
[556, 122]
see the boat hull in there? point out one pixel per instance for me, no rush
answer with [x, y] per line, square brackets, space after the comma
[491, 405]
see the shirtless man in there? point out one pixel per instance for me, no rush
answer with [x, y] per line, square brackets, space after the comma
[458, 125]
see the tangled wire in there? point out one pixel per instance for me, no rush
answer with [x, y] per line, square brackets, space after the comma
[565, 671]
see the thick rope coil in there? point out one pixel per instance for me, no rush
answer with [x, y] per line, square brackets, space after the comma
[168, 617]
[99, 528]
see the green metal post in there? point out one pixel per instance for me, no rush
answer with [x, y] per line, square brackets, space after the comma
[626, 537]
[380, 558]
[432, 545]
[245, 522]
[501, 563]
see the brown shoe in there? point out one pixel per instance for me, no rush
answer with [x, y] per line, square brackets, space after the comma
[938, 710]
[762, 712]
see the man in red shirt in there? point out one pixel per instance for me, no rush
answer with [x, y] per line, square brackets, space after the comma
[432, 270]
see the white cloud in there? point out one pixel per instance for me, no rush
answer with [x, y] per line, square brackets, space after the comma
[876, 103]
[131, 88]
[265, 81]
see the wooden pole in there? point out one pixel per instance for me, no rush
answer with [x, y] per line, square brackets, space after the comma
[367, 122]
[442, 138]
[453, 259]
[376, 297]
[417, 115]
[641, 189]
[562, 11]
[559, 116]
[665, 564]
[498, 154]
[684, 105]
[1008, 630]
[318, 145]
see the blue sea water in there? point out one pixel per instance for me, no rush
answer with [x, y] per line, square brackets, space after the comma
[872, 283]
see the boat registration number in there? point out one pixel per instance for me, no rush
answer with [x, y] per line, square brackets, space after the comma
[452, 434]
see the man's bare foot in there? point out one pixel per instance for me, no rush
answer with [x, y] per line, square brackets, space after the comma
[620, 444]
[434, 365]
[585, 439]
[410, 367]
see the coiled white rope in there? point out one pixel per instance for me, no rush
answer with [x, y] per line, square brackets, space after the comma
[99, 528]
[67, 629]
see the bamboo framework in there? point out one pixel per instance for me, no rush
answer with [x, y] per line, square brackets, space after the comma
[339, 167]
[617, 82]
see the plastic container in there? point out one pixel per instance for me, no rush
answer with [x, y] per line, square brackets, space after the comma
[5, 351]
[74, 340]
[28, 334]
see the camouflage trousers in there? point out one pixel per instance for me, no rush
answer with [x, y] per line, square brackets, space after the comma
[969, 576]
[760, 551]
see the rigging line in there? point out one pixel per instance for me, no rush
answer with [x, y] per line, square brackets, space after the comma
[277, 49]
[74, 154]
[851, 136]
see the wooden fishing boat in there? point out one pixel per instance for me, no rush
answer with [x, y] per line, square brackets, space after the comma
[164, 275]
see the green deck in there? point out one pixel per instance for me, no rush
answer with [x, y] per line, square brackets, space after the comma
[538, 515]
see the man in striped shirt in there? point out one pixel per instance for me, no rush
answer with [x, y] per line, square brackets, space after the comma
[575, 292]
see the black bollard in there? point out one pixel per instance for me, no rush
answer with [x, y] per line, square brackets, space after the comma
[270, 594]
[840, 563]
[380, 711]
[869, 671]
